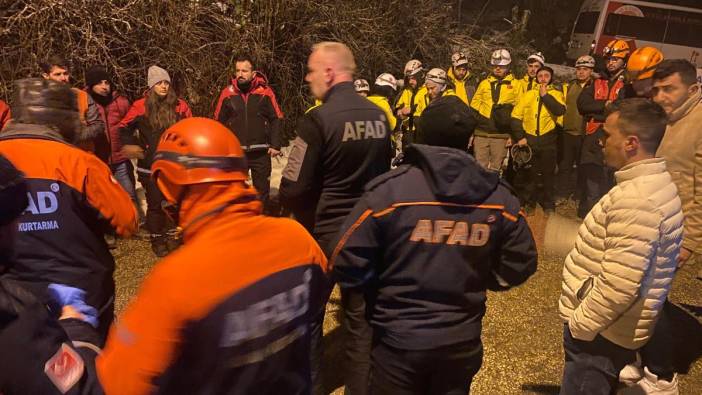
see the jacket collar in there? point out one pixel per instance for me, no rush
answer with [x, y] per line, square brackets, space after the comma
[687, 107]
[208, 204]
[346, 86]
[508, 77]
[641, 168]
[15, 129]
[257, 80]
[452, 76]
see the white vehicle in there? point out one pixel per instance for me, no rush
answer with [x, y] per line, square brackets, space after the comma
[672, 26]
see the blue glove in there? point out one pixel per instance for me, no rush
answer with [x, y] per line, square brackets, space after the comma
[74, 297]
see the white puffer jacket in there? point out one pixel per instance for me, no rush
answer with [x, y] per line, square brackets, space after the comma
[618, 275]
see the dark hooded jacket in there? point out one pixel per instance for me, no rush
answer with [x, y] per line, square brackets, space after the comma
[426, 240]
[42, 355]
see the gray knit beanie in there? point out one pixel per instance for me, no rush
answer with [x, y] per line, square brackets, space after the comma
[156, 75]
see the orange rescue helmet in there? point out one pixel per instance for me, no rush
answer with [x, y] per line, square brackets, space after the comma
[197, 151]
[616, 49]
[642, 63]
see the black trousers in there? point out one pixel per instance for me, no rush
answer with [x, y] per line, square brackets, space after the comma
[592, 367]
[536, 182]
[156, 219]
[358, 342]
[596, 183]
[441, 371]
[566, 181]
[657, 354]
[260, 165]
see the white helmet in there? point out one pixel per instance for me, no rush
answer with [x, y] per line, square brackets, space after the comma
[539, 57]
[437, 76]
[386, 79]
[501, 57]
[412, 67]
[361, 85]
[585, 61]
[459, 59]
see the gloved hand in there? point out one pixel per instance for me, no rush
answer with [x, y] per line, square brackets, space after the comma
[74, 297]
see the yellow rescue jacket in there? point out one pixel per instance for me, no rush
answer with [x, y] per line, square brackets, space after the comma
[533, 119]
[419, 103]
[525, 84]
[384, 105]
[482, 100]
[460, 85]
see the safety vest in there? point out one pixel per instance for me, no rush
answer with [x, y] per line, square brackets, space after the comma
[603, 92]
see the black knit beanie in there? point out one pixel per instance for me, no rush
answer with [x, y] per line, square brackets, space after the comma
[96, 74]
[446, 122]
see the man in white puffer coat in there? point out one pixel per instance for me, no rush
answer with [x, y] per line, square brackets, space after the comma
[617, 277]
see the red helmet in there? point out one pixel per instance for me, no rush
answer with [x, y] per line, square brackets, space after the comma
[197, 151]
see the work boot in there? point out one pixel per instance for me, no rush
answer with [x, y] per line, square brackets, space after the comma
[173, 240]
[158, 245]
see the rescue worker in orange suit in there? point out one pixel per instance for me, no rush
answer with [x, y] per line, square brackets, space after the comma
[73, 199]
[5, 114]
[92, 137]
[205, 321]
[639, 73]
[592, 104]
[46, 348]
[423, 244]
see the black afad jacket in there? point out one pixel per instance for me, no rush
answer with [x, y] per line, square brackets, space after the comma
[341, 145]
[425, 242]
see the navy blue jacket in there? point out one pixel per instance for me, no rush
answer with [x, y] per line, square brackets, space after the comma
[425, 242]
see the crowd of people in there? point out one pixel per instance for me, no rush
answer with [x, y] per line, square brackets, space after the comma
[411, 195]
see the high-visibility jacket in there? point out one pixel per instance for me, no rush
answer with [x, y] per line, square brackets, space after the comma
[415, 100]
[592, 100]
[540, 115]
[526, 84]
[463, 91]
[384, 105]
[492, 91]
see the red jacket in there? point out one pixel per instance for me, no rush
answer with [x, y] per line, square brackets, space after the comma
[112, 114]
[148, 138]
[5, 114]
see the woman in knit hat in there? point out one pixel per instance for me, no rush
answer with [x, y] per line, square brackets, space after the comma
[152, 115]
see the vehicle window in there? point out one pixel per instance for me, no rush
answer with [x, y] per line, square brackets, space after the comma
[587, 21]
[684, 28]
[650, 27]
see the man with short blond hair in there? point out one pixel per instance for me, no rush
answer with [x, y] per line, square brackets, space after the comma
[341, 145]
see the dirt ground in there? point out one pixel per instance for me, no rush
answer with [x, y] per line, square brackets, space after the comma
[522, 333]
